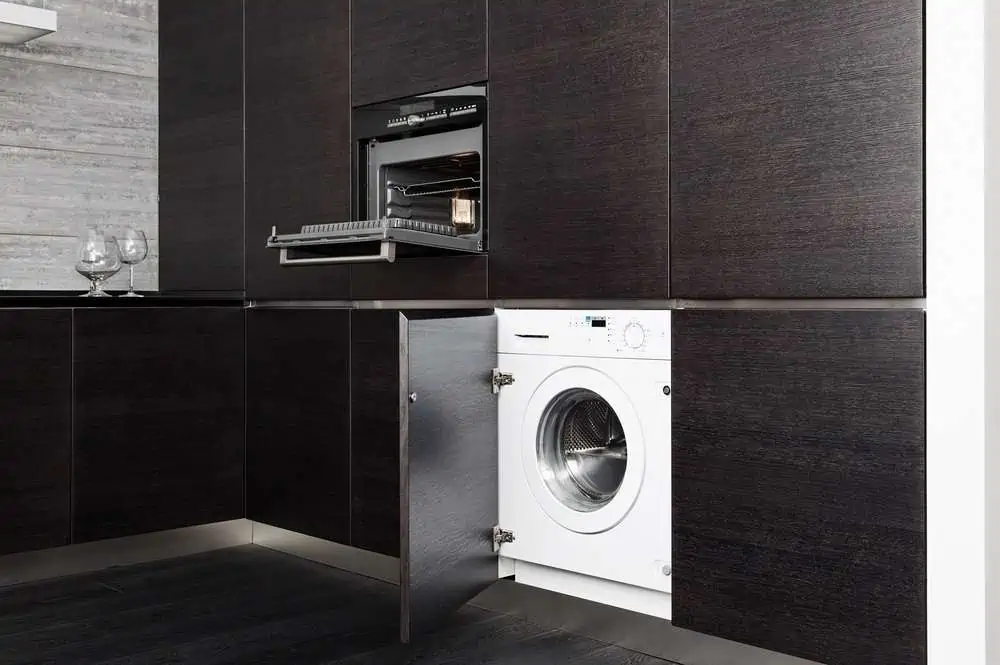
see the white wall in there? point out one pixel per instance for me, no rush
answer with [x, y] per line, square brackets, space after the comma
[956, 320]
[993, 330]
[78, 139]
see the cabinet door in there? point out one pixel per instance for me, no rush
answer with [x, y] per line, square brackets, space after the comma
[448, 466]
[578, 168]
[298, 141]
[408, 48]
[375, 420]
[798, 482]
[298, 421]
[433, 278]
[201, 146]
[796, 148]
[36, 403]
[159, 420]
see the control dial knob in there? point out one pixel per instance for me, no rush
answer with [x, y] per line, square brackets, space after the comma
[634, 335]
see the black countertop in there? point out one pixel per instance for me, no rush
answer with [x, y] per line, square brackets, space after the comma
[70, 299]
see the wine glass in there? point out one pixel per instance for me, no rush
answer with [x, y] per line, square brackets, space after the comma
[98, 259]
[134, 248]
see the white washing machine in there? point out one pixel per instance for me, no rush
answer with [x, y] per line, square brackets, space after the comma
[585, 454]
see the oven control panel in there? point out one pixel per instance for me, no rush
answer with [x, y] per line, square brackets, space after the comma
[419, 119]
[603, 334]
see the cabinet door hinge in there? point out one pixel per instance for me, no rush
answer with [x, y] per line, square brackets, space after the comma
[501, 537]
[501, 379]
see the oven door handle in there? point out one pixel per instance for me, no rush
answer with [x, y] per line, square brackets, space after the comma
[387, 254]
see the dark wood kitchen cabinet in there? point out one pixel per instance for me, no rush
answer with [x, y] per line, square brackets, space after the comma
[159, 419]
[201, 146]
[799, 482]
[401, 49]
[298, 421]
[448, 464]
[375, 433]
[35, 440]
[796, 149]
[578, 151]
[298, 138]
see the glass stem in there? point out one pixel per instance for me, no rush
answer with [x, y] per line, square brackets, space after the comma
[131, 275]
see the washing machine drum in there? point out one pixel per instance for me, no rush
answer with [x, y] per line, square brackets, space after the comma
[582, 450]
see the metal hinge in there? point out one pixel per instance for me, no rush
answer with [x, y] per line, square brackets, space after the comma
[501, 379]
[501, 537]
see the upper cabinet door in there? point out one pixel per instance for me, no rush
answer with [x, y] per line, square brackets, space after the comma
[448, 466]
[408, 48]
[298, 138]
[799, 482]
[796, 142]
[578, 146]
[201, 146]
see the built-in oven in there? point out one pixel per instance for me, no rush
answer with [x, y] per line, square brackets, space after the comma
[419, 185]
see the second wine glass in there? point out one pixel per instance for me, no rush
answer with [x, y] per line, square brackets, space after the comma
[134, 248]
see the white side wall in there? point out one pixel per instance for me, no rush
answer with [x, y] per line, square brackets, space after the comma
[993, 331]
[956, 300]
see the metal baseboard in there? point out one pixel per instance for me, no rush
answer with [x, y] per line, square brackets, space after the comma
[350, 559]
[92, 557]
[636, 632]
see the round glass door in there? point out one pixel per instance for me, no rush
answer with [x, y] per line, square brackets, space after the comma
[581, 450]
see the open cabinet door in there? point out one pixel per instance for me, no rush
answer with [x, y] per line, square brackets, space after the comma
[448, 465]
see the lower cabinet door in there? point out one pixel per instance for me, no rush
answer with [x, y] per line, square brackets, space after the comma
[35, 434]
[799, 482]
[448, 465]
[298, 421]
[159, 420]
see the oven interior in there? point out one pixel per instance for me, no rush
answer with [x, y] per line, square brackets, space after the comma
[444, 189]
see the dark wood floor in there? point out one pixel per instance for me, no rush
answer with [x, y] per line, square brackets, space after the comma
[252, 605]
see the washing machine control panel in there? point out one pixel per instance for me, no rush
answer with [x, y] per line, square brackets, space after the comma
[635, 334]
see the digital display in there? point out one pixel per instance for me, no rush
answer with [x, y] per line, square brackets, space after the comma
[598, 323]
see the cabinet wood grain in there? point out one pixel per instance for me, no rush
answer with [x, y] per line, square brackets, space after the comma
[438, 278]
[298, 421]
[35, 442]
[578, 158]
[799, 482]
[375, 431]
[298, 138]
[401, 49]
[796, 149]
[448, 470]
[201, 146]
[159, 419]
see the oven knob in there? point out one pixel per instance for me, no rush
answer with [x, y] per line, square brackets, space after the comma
[635, 335]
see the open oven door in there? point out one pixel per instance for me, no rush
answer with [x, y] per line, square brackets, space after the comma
[448, 465]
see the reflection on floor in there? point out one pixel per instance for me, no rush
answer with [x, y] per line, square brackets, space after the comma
[253, 605]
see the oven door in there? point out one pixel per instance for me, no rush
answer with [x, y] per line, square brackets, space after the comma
[424, 198]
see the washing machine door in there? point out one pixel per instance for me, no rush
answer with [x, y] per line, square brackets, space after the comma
[583, 449]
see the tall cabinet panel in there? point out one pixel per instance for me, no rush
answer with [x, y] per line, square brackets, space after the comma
[298, 421]
[298, 138]
[799, 482]
[35, 448]
[796, 149]
[578, 151]
[159, 419]
[408, 48]
[201, 146]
